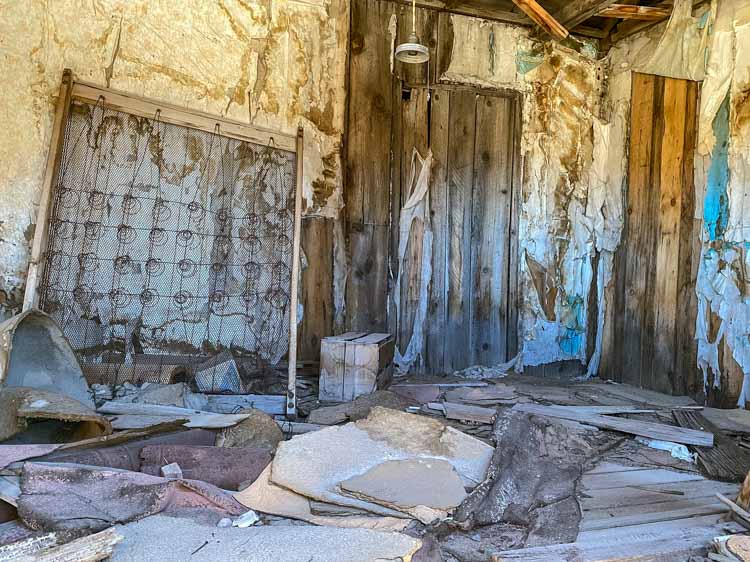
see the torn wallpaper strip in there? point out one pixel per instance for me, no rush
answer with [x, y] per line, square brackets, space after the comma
[416, 208]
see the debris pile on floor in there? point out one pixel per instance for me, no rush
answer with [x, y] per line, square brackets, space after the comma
[448, 468]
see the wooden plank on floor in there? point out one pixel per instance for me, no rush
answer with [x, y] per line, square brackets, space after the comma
[607, 467]
[637, 515]
[655, 493]
[635, 478]
[650, 531]
[660, 431]
[437, 306]
[725, 460]
[460, 180]
[491, 216]
[466, 412]
[643, 545]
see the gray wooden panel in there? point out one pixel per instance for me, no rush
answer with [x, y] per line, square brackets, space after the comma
[462, 122]
[414, 134]
[493, 168]
[367, 185]
[437, 305]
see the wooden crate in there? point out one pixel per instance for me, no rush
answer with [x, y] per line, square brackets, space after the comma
[355, 363]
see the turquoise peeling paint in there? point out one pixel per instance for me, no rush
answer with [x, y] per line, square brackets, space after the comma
[526, 61]
[716, 204]
[570, 341]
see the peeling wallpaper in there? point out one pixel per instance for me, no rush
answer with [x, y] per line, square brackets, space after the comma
[562, 218]
[273, 63]
[713, 45]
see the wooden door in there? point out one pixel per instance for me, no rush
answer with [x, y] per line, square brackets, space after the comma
[655, 272]
[471, 312]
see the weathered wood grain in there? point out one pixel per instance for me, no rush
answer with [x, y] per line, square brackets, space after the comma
[460, 181]
[652, 430]
[724, 461]
[656, 266]
[437, 305]
[317, 286]
[637, 247]
[670, 169]
[491, 206]
[539, 15]
[367, 184]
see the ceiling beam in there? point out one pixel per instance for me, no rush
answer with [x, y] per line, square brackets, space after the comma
[459, 8]
[627, 12]
[542, 18]
[588, 31]
[576, 12]
[631, 27]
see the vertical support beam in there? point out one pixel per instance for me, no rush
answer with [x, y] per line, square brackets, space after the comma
[54, 156]
[291, 394]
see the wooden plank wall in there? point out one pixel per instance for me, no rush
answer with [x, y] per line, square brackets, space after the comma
[367, 176]
[655, 304]
[317, 286]
[472, 297]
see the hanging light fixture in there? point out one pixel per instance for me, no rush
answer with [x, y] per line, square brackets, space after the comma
[413, 52]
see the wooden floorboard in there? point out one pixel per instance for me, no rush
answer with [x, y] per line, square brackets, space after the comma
[642, 513]
[635, 478]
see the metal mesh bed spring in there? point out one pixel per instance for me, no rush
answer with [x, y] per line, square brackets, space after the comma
[167, 244]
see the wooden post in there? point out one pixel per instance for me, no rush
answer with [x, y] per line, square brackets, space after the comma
[291, 395]
[31, 298]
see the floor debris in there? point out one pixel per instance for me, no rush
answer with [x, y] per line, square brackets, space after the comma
[725, 460]
[435, 469]
[38, 416]
[223, 467]
[533, 476]
[180, 540]
[636, 427]
[134, 416]
[359, 408]
[257, 430]
[736, 548]
[91, 548]
[338, 453]
[35, 354]
[75, 499]
[426, 489]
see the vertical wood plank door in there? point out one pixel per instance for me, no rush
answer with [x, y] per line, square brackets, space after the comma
[658, 288]
[472, 298]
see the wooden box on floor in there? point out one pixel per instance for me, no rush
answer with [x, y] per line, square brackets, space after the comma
[353, 364]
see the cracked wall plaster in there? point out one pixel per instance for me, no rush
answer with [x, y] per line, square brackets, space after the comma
[275, 63]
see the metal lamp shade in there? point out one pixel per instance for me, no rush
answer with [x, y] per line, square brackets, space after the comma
[412, 51]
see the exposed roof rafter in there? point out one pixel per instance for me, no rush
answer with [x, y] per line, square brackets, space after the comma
[575, 13]
[542, 18]
[647, 13]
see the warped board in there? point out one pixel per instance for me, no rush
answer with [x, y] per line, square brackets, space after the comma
[624, 523]
[652, 430]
